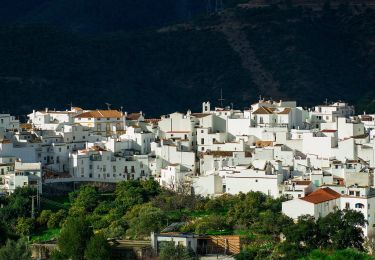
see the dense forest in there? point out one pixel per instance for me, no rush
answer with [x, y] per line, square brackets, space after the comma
[53, 53]
[83, 221]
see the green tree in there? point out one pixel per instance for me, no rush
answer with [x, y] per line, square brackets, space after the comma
[4, 233]
[56, 219]
[247, 210]
[18, 204]
[286, 250]
[142, 219]
[169, 251]
[272, 223]
[87, 198]
[128, 194]
[151, 188]
[342, 229]
[25, 226]
[347, 254]
[57, 255]
[75, 234]
[305, 231]
[44, 216]
[98, 248]
[211, 223]
[15, 250]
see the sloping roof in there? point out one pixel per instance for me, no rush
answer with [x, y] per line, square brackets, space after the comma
[286, 111]
[263, 111]
[133, 116]
[359, 136]
[321, 195]
[100, 114]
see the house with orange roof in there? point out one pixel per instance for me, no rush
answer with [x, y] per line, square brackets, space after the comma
[102, 122]
[317, 204]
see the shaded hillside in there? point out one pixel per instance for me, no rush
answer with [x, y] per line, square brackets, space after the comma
[283, 52]
[93, 16]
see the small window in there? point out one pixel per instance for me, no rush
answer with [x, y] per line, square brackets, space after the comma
[347, 205]
[359, 206]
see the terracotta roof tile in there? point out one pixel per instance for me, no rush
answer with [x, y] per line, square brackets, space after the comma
[100, 114]
[321, 195]
[263, 143]
[302, 182]
[328, 131]
[286, 111]
[263, 111]
[133, 116]
[200, 115]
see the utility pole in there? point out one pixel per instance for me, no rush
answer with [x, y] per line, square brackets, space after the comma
[32, 207]
[38, 196]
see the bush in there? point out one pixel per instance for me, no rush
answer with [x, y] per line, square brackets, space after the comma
[56, 219]
[44, 217]
[98, 248]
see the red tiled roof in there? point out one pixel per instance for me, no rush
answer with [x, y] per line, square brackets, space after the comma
[200, 115]
[152, 120]
[133, 116]
[328, 131]
[219, 153]
[263, 111]
[263, 143]
[321, 195]
[100, 114]
[286, 111]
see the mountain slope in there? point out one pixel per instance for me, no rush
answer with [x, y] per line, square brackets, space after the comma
[276, 51]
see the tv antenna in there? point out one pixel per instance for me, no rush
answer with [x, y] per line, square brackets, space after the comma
[221, 99]
[108, 106]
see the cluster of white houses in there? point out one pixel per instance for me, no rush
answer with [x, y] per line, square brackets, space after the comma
[320, 158]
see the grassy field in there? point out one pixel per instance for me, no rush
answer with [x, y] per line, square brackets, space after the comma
[46, 235]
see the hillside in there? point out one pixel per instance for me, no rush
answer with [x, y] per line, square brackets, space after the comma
[282, 51]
